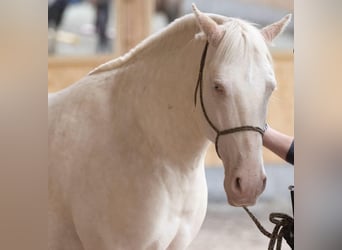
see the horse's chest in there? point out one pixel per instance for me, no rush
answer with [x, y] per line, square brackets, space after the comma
[163, 209]
[182, 210]
[158, 206]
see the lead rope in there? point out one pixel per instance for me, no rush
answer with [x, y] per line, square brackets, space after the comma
[284, 227]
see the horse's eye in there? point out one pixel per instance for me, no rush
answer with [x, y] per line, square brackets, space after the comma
[218, 88]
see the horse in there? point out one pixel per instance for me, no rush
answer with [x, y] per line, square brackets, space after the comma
[127, 142]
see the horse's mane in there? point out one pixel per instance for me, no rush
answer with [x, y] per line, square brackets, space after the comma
[235, 40]
[185, 23]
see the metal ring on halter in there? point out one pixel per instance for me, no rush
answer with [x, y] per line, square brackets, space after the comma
[218, 132]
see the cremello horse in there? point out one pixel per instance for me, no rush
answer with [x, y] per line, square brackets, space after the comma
[127, 143]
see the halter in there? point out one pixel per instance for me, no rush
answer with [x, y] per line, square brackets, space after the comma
[218, 132]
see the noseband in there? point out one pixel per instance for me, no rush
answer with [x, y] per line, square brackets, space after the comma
[199, 86]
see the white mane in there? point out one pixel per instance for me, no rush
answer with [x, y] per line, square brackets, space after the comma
[185, 25]
[237, 32]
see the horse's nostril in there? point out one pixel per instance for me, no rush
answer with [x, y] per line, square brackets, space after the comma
[238, 184]
[264, 183]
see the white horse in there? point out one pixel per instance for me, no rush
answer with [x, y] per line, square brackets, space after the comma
[127, 143]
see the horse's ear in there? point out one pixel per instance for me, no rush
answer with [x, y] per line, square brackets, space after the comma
[209, 27]
[271, 31]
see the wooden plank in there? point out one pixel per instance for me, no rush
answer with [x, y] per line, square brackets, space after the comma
[133, 22]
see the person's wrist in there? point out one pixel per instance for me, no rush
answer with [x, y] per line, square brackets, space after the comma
[266, 127]
[266, 136]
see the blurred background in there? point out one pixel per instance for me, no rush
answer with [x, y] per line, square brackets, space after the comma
[85, 33]
[88, 27]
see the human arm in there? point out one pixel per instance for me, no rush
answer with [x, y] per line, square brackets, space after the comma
[280, 144]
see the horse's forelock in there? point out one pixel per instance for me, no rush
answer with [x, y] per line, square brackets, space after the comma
[241, 37]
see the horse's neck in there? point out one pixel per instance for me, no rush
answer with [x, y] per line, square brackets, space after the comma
[164, 82]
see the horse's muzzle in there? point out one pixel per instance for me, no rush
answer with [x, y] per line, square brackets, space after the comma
[243, 190]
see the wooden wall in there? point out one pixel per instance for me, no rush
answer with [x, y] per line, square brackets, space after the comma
[65, 71]
[135, 18]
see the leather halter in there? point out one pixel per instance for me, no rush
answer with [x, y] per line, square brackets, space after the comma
[218, 132]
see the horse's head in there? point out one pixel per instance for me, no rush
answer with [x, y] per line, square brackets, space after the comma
[238, 79]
